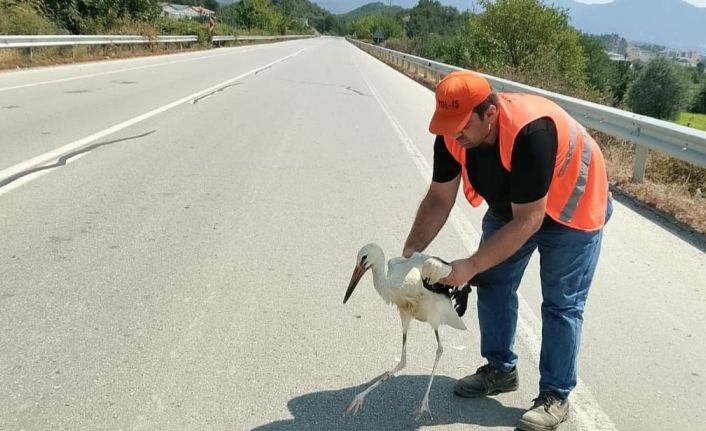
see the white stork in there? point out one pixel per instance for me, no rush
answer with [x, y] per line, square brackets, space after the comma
[412, 285]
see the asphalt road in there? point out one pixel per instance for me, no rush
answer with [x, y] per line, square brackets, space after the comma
[178, 233]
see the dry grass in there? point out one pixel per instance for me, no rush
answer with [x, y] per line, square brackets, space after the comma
[49, 56]
[671, 186]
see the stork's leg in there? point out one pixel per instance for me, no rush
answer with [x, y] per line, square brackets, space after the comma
[424, 408]
[357, 402]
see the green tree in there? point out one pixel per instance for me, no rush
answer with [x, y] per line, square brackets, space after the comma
[700, 66]
[365, 27]
[599, 67]
[431, 17]
[303, 13]
[658, 91]
[623, 75]
[261, 15]
[614, 43]
[23, 17]
[79, 15]
[328, 24]
[228, 15]
[529, 38]
[700, 103]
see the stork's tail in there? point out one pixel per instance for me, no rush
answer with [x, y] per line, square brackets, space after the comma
[459, 296]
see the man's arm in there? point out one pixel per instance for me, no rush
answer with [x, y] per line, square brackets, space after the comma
[431, 215]
[526, 221]
[533, 160]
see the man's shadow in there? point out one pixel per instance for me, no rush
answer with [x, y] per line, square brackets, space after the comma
[390, 407]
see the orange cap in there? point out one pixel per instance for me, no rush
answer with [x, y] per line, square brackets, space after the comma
[456, 96]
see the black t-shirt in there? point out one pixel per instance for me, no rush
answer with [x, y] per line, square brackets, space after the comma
[533, 159]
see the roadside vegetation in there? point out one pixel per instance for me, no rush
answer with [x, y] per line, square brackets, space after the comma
[691, 119]
[540, 48]
[142, 17]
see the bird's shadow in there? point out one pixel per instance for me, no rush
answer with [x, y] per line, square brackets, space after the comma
[390, 407]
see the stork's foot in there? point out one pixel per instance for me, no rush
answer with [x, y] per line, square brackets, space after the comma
[423, 410]
[356, 404]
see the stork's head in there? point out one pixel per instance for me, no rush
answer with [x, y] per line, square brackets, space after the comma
[369, 255]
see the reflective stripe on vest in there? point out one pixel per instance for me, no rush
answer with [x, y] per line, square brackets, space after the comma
[578, 192]
[567, 212]
[572, 144]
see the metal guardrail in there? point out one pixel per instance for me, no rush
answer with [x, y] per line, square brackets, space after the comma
[31, 42]
[676, 140]
[234, 38]
[70, 40]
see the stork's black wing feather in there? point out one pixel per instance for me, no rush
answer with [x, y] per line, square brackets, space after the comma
[458, 295]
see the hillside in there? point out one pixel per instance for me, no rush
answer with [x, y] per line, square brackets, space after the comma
[346, 6]
[377, 8]
[672, 23]
[300, 8]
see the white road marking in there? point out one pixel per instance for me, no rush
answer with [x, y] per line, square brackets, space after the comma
[587, 411]
[127, 69]
[55, 154]
[34, 175]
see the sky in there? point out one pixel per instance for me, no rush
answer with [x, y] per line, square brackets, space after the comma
[698, 3]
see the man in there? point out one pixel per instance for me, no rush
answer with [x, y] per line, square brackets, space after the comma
[545, 183]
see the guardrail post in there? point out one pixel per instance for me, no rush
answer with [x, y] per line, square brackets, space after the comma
[638, 170]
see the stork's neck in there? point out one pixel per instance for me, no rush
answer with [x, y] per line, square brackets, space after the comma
[380, 281]
[379, 274]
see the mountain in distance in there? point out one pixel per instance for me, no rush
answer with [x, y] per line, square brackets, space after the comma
[377, 8]
[671, 23]
[343, 6]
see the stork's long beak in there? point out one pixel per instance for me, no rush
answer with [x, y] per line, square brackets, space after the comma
[358, 273]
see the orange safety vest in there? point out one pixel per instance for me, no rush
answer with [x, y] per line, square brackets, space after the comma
[578, 192]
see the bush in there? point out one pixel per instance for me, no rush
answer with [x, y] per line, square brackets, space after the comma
[24, 18]
[700, 102]
[91, 16]
[182, 27]
[659, 90]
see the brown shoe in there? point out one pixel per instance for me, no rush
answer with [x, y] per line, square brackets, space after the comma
[547, 412]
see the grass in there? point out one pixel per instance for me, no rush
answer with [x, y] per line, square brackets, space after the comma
[49, 56]
[689, 119]
[670, 185]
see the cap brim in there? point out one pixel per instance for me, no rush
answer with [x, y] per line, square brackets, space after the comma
[448, 125]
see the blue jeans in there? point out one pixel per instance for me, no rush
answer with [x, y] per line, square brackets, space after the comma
[568, 260]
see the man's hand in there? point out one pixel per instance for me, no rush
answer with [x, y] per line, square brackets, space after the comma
[462, 270]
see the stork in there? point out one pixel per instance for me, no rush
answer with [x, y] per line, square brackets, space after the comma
[412, 285]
